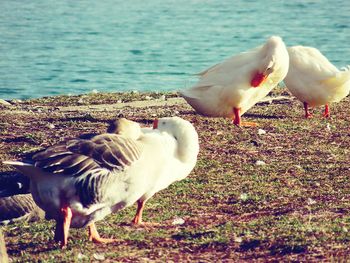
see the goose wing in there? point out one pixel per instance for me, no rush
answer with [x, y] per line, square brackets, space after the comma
[78, 156]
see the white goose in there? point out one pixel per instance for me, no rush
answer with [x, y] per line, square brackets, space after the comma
[314, 80]
[81, 181]
[232, 87]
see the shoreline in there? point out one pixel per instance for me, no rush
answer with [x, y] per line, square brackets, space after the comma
[114, 101]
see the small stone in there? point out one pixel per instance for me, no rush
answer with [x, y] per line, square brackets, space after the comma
[260, 163]
[261, 132]
[310, 201]
[148, 98]
[243, 197]
[17, 101]
[81, 256]
[328, 126]
[119, 101]
[99, 256]
[238, 239]
[4, 102]
[162, 97]
[94, 91]
[178, 221]
[80, 101]
[50, 126]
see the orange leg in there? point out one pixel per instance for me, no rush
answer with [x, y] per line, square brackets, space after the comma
[237, 119]
[326, 113]
[307, 113]
[94, 236]
[138, 217]
[62, 226]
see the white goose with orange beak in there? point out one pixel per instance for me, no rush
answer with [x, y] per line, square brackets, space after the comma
[232, 87]
[80, 181]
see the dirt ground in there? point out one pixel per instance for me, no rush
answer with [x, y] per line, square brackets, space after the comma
[276, 192]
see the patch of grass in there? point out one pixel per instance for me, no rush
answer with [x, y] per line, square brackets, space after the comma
[294, 208]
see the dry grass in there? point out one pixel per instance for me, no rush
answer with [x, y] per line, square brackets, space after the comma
[294, 208]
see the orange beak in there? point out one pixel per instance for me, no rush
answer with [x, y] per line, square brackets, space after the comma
[258, 79]
[155, 124]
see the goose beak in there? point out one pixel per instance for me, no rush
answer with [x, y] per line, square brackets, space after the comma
[258, 79]
[155, 124]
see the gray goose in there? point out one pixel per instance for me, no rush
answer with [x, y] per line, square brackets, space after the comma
[81, 181]
[18, 208]
[15, 203]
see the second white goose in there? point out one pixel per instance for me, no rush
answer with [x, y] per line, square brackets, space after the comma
[233, 86]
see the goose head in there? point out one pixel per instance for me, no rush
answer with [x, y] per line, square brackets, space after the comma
[184, 134]
[274, 56]
[126, 128]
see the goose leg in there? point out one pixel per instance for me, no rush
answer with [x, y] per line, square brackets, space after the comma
[62, 226]
[326, 113]
[307, 112]
[94, 236]
[138, 217]
[237, 119]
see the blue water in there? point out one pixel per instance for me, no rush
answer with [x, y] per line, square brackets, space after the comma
[71, 47]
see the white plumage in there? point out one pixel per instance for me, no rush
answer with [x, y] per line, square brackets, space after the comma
[233, 86]
[314, 80]
[81, 181]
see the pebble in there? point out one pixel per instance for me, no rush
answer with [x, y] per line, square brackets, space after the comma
[243, 197]
[261, 132]
[178, 221]
[4, 102]
[99, 256]
[260, 163]
[50, 126]
[311, 201]
[238, 239]
[81, 256]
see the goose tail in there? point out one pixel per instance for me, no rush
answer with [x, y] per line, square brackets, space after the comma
[26, 169]
[340, 79]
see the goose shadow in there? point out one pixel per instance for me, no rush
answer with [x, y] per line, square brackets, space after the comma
[13, 183]
[260, 116]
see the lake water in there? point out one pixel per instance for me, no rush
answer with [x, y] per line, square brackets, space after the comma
[72, 47]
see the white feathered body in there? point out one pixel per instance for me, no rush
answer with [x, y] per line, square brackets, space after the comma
[227, 85]
[157, 166]
[313, 79]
